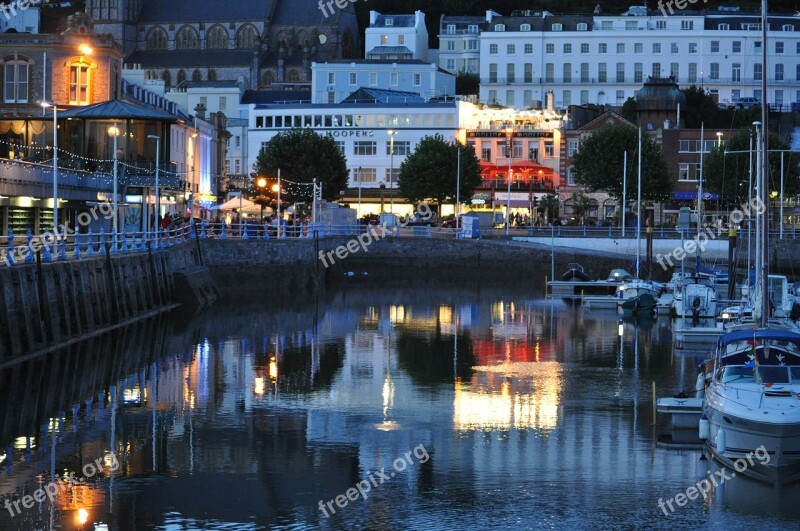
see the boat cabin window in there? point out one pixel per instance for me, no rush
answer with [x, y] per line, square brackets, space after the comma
[773, 374]
[795, 374]
[737, 372]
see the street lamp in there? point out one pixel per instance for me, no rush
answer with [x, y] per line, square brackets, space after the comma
[719, 139]
[391, 167]
[46, 104]
[360, 176]
[157, 202]
[261, 184]
[194, 165]
[114, 131]
[383, 187]
[509, 135]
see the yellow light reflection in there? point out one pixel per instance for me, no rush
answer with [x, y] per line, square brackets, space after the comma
[259, 385]
[82, 516]
[132, 395]
[445, 315]
[20, 443]
[397, 314]
[273, 369]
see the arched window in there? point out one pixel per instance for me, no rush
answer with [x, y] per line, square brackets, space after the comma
[196, 75]
[186, 38]
[212, 74]
[157, 39]
[15, 81]
[181, 76]
[293, 76]
[267, 77]
[166, 78]
[217, 38]
[246, 37]
[79, 80]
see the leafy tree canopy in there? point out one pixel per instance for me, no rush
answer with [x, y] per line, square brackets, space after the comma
[599, 162]
[430, 171]
[302, 155]
[727, 173]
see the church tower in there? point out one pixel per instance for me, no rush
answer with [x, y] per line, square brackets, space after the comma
[118, 18]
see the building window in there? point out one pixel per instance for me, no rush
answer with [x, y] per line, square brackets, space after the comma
[736, 47]
[223, 103]
[15, 81]
[620, 97]
[607, 25]
[528, 48]
[79, 84]
[582, 26]
[509, 98]
[451, 46]
[566, 98]
[714, 46]
[365, 175]
[548, 149]
[567, 73]
[417, 80]
[572, 147]
[384, 40]
[567, 47]
[353, 78]
[779, 47]
[246, 37]
[549, 73]
[181, 76]
[373, 79]
[196, 75]
[525, 27]
[687, 24]
[757, 47]
[758, 72]
[493, 73]
[736, 72]
[584, 72]
[723, 27]
[331, 78]
[692, 73]
[365, 148]
[492, 96]
[797, 73]
[510, 77]
[401, 148]
[186, 39]
[340, 147]
[602, 74]
[472, 28]
[620, 72]
[571, 181]
[631, 25]
[602, 47]
[638, 75]
[493, 49]
[472, 44]
[238, 166]
[620, 47]
[692, 47]
[516, 150]
[674, 48]
[656, 71]
[638, 47]
[675, 70]
[779, 72]
[556, 27]
[714, 71]
[550, 47]
[499, 27]
[511, 49]
[661, 24]
[157, 39]
[656, 47]
[217, 38]
[584, 47]
[528, 73]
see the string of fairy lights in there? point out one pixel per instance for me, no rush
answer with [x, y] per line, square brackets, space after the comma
[68, 159]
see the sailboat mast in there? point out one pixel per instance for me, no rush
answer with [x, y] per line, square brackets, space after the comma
[764, 191]
[639, 207]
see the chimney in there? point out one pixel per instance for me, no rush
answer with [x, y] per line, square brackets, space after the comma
[200, 111]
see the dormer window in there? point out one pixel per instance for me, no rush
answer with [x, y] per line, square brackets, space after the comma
[787, 27]
[724, 27]
[557, 27]
[525, 27]
[582, 26]
[451, 29]
[473, 28]
[389, 22]
[499, 27]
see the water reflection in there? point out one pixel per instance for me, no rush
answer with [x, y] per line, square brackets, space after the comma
[533, 413]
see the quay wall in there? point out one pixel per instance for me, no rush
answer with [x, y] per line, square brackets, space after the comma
[45, 305]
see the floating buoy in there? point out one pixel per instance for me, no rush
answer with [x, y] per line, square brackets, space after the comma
[700, 385]
[703, 428]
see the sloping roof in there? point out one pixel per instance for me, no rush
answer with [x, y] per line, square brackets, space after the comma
[221, 83]
[603, 120]
[390, 50]
[303, 13]
[260, 97]
[189, 11]
[116, 109]
[373, 95]
[191, 58]
[398, 21]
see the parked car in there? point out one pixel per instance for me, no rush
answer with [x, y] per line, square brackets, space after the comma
[726, 105]
[746, 103]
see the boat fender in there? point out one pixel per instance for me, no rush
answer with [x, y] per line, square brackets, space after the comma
[700, 385]
[721, 447]
[703, 428]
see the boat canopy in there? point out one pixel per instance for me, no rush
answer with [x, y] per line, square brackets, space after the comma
[758, 334]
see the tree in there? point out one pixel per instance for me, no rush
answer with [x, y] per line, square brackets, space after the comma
[629, 110]
[550, 205]
[467, 84]
[598, 164]
[729, 174]
[430, 171]
[580, 205]
[700, 109]
[302, 155]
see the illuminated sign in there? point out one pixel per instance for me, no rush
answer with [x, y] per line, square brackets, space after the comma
[516, 134]
[350, 132]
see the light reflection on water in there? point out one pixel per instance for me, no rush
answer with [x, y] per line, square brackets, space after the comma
[533, 414]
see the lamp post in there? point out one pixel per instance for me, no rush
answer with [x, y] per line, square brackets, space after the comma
[261, 184]
[46, 104]
[157, 202]
[719, 139]
[391, 168]
[114, 131]
[509, 135]
[358, 212]
[194, 165]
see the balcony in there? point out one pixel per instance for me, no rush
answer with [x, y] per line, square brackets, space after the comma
[520, 185]
[19, 178]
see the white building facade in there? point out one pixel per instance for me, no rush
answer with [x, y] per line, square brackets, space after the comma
[605, 59]
[396, 37]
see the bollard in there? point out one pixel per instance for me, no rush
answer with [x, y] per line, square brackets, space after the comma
[76, 254]
[224, 234]
[102, 242]
[203, 229]
[47, 256]
[266, 231]
[89, 247]
[29, 255]
[245, 234]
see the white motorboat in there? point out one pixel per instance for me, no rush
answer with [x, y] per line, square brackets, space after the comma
[752, 400]
[695, 298]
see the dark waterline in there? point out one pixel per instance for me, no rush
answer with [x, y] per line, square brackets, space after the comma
[491, 410]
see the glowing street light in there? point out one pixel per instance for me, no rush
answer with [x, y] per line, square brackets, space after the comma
[46, 104]
[157, 202]
[509, 135]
